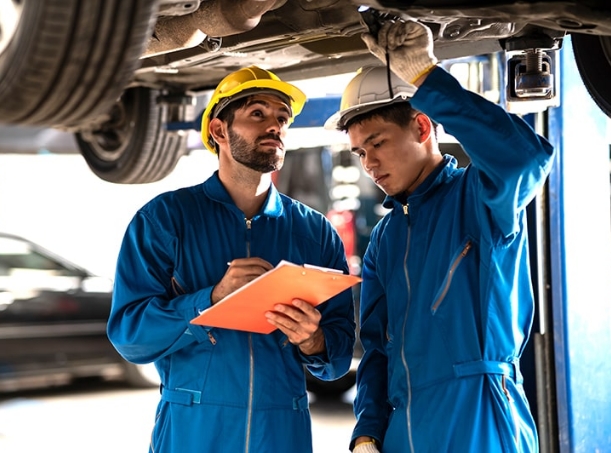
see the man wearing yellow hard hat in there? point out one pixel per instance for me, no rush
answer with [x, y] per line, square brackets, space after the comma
[226, 390]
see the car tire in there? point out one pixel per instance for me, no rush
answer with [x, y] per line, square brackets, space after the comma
[133, 146]
[593, 59]
[64, 63]
[141, 376]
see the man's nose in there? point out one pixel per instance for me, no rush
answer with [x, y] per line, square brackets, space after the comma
[275, 125]
[369, 162]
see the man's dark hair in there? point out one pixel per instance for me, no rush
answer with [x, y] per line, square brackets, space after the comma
[399, 113]
[228, 114]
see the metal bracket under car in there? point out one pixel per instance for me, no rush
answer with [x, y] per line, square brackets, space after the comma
[532, 81]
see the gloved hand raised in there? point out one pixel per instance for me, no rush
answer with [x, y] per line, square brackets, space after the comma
[366, 447]
[409, 45]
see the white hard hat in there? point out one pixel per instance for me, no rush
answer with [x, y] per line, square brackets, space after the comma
[368, 90]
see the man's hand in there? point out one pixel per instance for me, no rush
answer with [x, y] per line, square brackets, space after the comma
[410, 48]
[239, 272]
[301, 324]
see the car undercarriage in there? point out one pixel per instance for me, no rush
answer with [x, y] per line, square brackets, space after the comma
[116, 73]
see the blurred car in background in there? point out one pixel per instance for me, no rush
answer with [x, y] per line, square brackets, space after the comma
[53, 317]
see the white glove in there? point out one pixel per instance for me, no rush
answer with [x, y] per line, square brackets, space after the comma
[366, 447]
[409, 45]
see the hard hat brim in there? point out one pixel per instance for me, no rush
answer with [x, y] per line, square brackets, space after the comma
[339, 119]
[294, 97]
[224, 102]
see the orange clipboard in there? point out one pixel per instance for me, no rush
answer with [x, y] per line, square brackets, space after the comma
[245, 308]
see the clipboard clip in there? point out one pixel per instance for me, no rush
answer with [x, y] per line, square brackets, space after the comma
[323, 269]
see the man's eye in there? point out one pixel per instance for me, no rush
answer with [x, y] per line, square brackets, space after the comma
[358, 153]
[378, 144]
[283, 120]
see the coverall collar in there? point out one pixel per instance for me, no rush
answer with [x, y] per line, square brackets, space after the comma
[437, 176]
[272, 207]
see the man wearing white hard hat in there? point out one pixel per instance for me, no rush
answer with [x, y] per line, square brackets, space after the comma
[446, 305]
[225, 390]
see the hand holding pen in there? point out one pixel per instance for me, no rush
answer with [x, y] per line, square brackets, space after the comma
[239, 272]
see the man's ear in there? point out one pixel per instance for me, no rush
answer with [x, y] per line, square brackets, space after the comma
[425, 126]
[217, 131]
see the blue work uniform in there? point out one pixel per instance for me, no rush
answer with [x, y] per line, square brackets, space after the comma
[447, 302]
[223, 390]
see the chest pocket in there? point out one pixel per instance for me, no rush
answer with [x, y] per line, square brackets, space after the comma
[177, 288]
[455, 263]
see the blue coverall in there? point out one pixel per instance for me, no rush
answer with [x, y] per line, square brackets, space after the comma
[223, 390]
[447, 302]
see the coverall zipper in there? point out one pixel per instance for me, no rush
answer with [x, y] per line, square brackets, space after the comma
[251, 368]
[251, 385]
[455, 264]
[248, 233]
[176, 287]
[403, 358]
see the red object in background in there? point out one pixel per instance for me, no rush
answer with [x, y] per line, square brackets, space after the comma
[344, 223]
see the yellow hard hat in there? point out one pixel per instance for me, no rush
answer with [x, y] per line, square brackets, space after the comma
[367, 91]
[245, 82]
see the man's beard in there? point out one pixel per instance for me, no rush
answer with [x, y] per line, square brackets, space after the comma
[247, 154]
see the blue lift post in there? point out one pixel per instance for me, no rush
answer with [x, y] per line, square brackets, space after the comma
[580, 249]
